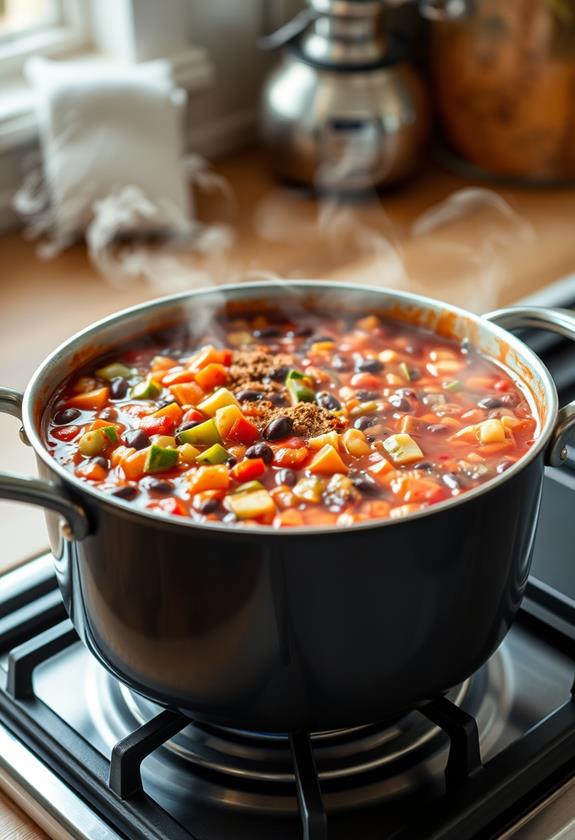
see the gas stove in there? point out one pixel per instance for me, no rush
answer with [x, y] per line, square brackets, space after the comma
[495, 757]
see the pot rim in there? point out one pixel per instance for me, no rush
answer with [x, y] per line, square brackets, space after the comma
[238, 529]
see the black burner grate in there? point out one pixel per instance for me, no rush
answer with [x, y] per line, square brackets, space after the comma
[476, 795]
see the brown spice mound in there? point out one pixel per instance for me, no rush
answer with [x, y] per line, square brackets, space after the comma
[250, 366]
[309, 420]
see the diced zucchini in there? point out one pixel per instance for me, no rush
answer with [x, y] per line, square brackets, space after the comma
[402, 449]
[114, 370]
[248, 487]
[92, 443]
[160, 459]
[252, 505]
[294, 374]
[188, 453]
[148, 389]
[298, 392]
[204, 434]
[218, 399]
[216, 454]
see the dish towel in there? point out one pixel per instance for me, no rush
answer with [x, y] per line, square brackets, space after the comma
[112, 158]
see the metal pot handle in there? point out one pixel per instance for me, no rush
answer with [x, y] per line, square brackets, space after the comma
[562, 322]
[34, 491]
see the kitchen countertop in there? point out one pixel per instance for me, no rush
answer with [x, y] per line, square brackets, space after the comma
[484, 247]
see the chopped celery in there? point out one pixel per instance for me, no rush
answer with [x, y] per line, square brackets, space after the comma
[204, 434]
[160, 458]
[216, 454]
[114, 370]
[148, 389]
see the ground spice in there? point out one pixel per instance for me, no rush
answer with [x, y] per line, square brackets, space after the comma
[252, 366]
[309, 419]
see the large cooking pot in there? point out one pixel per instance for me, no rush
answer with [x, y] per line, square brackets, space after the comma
[303, 628]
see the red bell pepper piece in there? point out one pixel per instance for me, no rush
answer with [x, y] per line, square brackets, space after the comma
[177, 375]
[66, 433]
[249, 469]
[162, 425]
[243, 431]
[192, 415]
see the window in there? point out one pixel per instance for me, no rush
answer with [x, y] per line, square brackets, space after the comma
[29, 27]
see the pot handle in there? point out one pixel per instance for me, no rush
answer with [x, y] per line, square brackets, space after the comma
[35, 491]
[562, 322]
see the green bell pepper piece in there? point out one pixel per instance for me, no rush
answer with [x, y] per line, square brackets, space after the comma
[298, 392]
[204, 434]
[216, 454]
[160, 458]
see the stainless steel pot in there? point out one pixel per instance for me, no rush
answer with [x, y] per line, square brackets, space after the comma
[313, 628]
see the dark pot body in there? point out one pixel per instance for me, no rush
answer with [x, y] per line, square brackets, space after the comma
[303, 628]
[277, 632]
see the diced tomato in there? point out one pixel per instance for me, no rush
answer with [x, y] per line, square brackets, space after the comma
[90, 400]
[365, 380]
[153, 425]
[249, 470]
[187, 393]
[170, 505]
[211, 376]
[177, 375]
[502, 385]
[293, 442]
[243, 431]
[192, 415]
[66, 433]
[290, 457]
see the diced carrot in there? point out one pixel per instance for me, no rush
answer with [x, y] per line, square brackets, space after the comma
[133, 465]
[177, 375]
[291, 457]
[319, 516]
[188, 393]
[327, 462]
[90, 400]
[379, 470]
[162, 363]
[120, 454]
[209, 478]
[172, 410]
[211, 376]
[211, 354]
[288, 518]
[92, 471]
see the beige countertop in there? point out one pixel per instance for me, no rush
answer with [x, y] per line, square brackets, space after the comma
[481, 249]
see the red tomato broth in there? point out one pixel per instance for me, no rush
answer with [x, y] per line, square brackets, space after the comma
[409, 419]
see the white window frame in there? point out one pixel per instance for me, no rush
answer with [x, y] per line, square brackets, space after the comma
[67, 33]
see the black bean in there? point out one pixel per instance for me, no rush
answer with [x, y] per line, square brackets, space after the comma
[108, 414]
[127, 492]
[438, 428]
[159, 485]
[118, 388]
[425, 466]
[341, 363]
[318, 338]
[101, 462]
[65, 416]
[406, 392]
[452, 481]
[277, 400]
[136, 438]
[301, 332]
[279, 374]
[364, 396]
[414, 373]
[327, 400]
[364, 482]
[279, 428]
[400, 403]
[490, 402]
[261, 450]
[364, 422]
[509, 400]
[268, 332]
[208, 505]
[286, 476]
[369, 366]
[249, 395]
[164, 403]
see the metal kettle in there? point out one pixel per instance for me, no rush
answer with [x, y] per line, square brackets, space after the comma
[343, 109]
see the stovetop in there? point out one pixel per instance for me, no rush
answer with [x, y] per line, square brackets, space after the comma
[90, 759]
